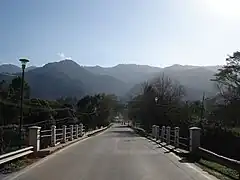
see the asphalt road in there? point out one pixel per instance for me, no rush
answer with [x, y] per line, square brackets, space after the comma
[116, 154]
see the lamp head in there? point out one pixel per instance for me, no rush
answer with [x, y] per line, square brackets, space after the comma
[24, 62]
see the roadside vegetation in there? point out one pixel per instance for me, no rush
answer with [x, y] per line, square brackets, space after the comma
[92, 110]
[161, 102]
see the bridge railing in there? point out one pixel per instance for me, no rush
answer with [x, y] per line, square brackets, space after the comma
[192, 144]
[48, 137]
[170, 136]
[54, 136]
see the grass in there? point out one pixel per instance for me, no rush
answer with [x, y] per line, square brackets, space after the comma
[218, 170]
[16, 165]
[236, 130]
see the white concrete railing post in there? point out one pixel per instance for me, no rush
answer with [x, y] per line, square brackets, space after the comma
[53, 135]
[81, 129]
[163, 133]
[76, 127]
[153, 130]
[157, 132]
[71, 132]
[176, 137]
[34, 138]
[168, 134]
[64, 131]
[195, 134]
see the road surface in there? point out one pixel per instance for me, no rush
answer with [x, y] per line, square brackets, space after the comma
[116, 154]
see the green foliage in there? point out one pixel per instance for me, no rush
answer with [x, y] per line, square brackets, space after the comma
[11, 93]
[165, 111]
[227, 102]
[97, 110]
[229, 75]
[15, 89]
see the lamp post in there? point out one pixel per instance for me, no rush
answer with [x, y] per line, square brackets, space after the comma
[156, 101]
[24, 63]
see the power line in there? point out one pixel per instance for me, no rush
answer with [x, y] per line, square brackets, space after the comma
[46, 109]
[31, 107]
[52, 110]
[40, 122]
[62, 119]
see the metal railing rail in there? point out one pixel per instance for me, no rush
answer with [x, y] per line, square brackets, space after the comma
[15, 154]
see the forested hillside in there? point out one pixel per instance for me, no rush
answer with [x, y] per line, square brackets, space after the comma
[67, 78]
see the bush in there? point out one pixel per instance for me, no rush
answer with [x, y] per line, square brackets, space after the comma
[221, 141]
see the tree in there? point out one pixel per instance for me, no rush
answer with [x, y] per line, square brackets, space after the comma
[228, 79]
[144, 109]
[3, 90]
[68, 100]
[97, 110]
[8, 113]
[15, 89]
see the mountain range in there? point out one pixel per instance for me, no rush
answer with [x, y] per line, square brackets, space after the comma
[67, 78]
[10, 68]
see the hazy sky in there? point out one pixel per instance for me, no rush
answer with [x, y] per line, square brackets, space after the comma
[109, 32]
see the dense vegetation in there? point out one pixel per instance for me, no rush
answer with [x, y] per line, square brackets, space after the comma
[93, 111]
[217, 116]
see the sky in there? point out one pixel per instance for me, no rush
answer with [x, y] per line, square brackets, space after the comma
[110, 32]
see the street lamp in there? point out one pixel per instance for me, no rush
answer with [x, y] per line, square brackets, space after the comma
[24, 63]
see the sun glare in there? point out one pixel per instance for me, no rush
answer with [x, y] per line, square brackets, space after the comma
[224, 8]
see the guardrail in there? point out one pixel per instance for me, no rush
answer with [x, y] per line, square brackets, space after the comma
[15, 154]
[192, 143]
[228, 162]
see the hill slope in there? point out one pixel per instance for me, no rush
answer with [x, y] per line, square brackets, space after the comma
[196, 79]
[93, 83]
[11, 69]
[67, 78]
[128, 73]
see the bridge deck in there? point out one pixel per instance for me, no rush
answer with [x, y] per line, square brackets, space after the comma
[116, 154]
